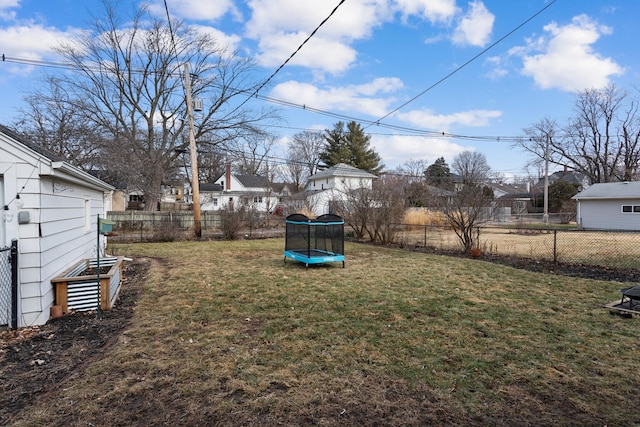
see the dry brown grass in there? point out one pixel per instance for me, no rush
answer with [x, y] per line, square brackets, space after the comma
[226, 333]
[422, 217]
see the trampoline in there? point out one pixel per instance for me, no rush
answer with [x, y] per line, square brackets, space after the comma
[314, 241]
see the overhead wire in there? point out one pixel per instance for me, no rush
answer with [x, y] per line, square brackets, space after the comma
[409, 131]
[481, 53]
[255, 93]
[292, 55]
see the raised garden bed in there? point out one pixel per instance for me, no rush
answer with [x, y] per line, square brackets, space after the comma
[77, 287]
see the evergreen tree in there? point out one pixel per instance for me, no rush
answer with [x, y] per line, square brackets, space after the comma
[350, 146]
[438, 174]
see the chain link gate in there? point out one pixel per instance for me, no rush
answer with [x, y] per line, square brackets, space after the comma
[9, 285]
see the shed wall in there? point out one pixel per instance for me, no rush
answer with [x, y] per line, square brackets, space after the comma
[607, 214]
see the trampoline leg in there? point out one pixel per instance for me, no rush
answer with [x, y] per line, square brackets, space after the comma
[342, 264]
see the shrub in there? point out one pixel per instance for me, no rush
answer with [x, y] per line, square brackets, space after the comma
[168, 231]
[231, 221]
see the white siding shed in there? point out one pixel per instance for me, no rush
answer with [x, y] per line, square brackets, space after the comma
[52, 210]
[609, 206]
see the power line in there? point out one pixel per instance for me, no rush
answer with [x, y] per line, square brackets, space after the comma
[468, 62]
[409, 131]
[291, 56]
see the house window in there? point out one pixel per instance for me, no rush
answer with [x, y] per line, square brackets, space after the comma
[630, 208]
[257, 199]
[215, 203]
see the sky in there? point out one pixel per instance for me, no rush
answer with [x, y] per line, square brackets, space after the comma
[407, 70]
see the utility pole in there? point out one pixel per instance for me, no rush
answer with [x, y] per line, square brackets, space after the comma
[195, 184]
[545, 216]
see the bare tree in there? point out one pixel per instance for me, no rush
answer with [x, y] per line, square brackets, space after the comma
[303, 156]
[296, 171]
[375, 212]
[250, 154]
[472, 167]
[51, 122]
[414, 169]
[602, 140]
[465, 211]
[126, 83]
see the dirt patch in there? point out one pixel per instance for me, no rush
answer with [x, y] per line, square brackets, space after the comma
[34, 361]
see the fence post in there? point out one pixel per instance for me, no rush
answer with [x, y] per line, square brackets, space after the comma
[425, 235]
[14, 283]
[555, 246]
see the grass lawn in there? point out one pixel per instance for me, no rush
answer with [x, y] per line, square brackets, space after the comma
[225, 333]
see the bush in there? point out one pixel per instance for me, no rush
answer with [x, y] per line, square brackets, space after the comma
[231, 221]
[168, 231]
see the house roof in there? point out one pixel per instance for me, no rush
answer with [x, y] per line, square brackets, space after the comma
[611, 190]
[342, 169]
[253, 181]
[572, 177]
[210, 187]
[506, 188]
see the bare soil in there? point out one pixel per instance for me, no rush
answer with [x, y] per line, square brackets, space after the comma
[35, 362]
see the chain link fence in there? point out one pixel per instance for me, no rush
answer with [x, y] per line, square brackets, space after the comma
[612, 249]
[9, 285]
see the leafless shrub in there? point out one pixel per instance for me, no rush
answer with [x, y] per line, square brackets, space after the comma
[231, 222]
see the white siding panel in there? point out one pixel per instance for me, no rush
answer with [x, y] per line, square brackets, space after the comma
[29, 274]
[30, 231]
[607, 215]
[30, 290]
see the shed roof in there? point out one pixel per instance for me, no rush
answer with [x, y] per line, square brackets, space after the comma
[611, 190]
[35, 147]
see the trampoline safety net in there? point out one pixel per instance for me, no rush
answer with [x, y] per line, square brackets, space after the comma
[314, 241]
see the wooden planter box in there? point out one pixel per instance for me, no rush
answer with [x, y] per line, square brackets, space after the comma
[78, 291]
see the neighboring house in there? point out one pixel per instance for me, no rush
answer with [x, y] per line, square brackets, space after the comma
[515, 197]
[238, 190]
[609, 206]
[577, 178]
[54, 220]
[332, 185]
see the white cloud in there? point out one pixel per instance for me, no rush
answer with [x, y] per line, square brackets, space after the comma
[229, 41]
[397, 149]
[33, 41]
[475, 27]
[567, 60]
[427, 119]
[195, 9]
[433, 10]
[357, 99]
[353, 20]
[6, 6]
[277, 48]
[280, 26]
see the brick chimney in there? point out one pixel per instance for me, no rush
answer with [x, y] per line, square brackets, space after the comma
[227, 184]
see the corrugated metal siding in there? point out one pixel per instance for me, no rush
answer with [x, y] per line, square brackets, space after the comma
[82, 296]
